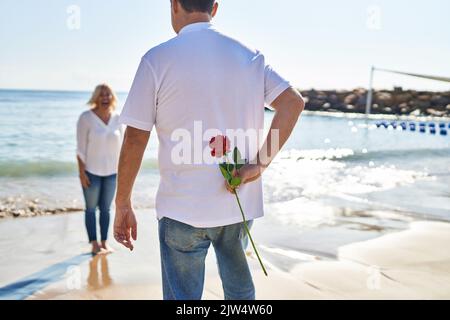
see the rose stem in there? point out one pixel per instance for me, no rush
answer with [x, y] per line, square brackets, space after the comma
[248, 233]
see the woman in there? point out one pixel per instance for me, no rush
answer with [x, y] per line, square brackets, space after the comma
[99, 139]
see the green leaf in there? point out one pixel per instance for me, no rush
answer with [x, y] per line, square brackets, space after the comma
[225, 173]
[235, 182]
[236, 156]
[230, 168]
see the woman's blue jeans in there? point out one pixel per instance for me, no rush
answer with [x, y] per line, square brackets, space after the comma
[99, 194]
[183, 251]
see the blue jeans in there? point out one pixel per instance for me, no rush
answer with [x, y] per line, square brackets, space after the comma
[183, 251]
[99, 194]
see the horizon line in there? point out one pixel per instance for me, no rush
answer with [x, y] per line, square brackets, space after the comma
[310, 89]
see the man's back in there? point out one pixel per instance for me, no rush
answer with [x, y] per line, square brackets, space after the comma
[199, 84]
[206, 76]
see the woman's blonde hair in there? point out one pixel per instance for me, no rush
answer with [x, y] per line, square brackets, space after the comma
[96, 95]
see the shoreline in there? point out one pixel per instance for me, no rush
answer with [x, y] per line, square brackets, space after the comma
[29, 208]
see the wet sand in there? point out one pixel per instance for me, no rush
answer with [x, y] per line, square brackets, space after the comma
[410, 264]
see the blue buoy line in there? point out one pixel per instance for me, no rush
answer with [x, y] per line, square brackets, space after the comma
[423, 127]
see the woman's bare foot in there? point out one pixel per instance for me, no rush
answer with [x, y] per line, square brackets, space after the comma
[95, 248]
[106, 248]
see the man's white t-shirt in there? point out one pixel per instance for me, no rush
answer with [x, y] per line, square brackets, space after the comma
[201, 77]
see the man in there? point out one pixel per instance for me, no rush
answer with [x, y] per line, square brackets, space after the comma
[201, 76]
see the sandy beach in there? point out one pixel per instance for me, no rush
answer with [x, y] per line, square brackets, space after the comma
[45, 258]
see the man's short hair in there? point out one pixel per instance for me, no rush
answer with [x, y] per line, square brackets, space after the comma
[197, 5]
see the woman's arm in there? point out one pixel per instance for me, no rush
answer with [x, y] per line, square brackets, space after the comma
[84, 179]
[82, 141]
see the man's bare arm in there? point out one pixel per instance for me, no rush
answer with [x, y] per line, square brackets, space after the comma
[131, 154]
[288, 107]
[125, 225]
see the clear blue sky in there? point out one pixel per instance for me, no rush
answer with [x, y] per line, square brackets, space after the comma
[315, 44]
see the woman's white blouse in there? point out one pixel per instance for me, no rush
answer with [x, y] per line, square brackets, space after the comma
[98, 144]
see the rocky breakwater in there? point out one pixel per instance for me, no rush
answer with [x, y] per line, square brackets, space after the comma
[393, 102]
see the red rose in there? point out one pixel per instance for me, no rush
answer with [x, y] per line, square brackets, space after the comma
[220, 145]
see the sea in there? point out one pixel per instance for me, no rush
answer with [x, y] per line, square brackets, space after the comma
[336, 172]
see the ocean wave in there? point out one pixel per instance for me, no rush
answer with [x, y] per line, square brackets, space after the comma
[50, 168]
[317, 154]
[345, 154]
[408, 153]
[338, 155]
[37, 168]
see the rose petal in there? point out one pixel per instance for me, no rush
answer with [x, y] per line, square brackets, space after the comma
[211, 142]
[220, 144]
[226, 144]
[219, 154]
